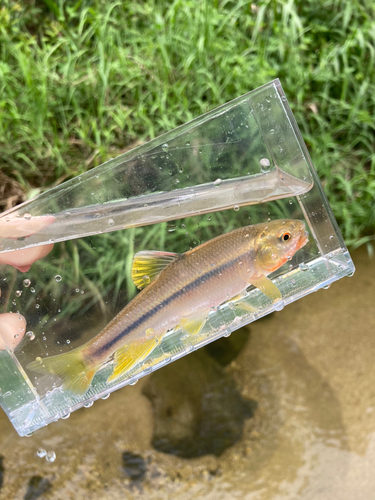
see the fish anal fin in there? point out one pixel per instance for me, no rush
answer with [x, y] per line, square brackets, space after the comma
[192, 325]
[266, 286]
[148, 264]
[130, 355]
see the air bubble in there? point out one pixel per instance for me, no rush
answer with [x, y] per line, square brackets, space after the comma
[37, 306]
[58, 278]
[64, 417]
[227, 333]
[51, 456]
[32, 290]
[30, 335]
[18, 293]
[111, 222]
[41, 452]
[303, 267]
[218, 182]
[165, 147]
[326, 287]
[236, 208]
[290, 202]
[106, 396]
[265, 165]
[26, 283]
[88, 405]
[16, 336]
[133, 382]
[279, 305]
[27, 216]
[68, 341]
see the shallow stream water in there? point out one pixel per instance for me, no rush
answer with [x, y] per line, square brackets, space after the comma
[282, 410]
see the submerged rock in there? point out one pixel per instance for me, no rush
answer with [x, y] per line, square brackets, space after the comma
[133, 465]
[197, 407]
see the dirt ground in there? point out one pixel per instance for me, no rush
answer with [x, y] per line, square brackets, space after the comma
[309, 368]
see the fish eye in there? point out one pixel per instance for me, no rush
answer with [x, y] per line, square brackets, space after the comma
[285, 237]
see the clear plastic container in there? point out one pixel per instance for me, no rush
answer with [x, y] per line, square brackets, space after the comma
[240, 165]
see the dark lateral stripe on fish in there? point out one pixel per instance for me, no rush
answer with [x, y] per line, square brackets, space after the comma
[190, 286]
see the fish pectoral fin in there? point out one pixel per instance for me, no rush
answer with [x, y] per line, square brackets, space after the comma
[130, 355]
[149, 264]
[192, 325]
[240, 302]
[266, 286]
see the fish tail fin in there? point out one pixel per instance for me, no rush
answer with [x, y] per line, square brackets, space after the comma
[74, 371]
[128, 356]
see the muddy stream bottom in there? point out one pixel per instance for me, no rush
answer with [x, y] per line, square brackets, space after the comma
[284, 409]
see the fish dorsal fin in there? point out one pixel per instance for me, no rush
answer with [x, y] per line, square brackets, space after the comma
[147, 264]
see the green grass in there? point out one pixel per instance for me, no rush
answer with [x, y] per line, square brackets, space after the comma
[81, 81]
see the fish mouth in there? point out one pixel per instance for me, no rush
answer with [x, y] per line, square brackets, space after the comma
[303, 239]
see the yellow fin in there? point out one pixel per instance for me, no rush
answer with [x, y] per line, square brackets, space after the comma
[71, 367]
[192, 326]
[240, 302]
[148, 264]
[266, 286]
[130, 355]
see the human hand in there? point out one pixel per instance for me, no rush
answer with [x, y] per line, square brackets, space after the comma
[13, 326]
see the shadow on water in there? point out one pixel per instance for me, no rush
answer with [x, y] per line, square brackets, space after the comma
[1, 472]
[37, 487]
[197, 408]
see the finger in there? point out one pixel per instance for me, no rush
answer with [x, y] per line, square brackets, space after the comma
[21, 227]
[12, 330]
[23, 259]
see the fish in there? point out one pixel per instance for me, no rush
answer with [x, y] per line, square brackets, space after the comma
[178, 291]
